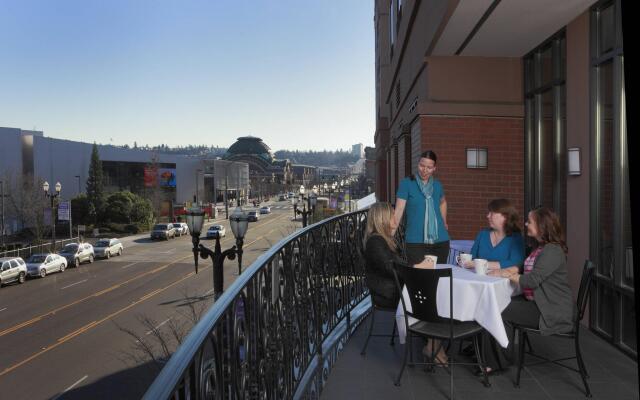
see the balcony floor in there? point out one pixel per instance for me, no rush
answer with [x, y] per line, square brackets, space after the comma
[613, 374]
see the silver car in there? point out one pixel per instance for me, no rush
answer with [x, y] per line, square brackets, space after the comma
[163, 231]
[108, 247]
[77, 253]
[43, 264]
[181, 228]
[12, 269]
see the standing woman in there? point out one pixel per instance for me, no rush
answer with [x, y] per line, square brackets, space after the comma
[426, 231]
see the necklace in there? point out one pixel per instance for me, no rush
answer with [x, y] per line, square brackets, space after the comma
[496, 239]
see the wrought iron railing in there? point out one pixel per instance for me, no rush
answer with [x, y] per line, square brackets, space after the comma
[276, 332]
[26, 252]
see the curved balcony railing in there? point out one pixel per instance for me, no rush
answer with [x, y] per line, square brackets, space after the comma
[276, 331]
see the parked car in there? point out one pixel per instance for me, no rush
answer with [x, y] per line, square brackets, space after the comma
[77, 253]
[215, 231]
[181, 228]
[42, 264]
[108, 247]
[253, 216]
[265, 210]
[163, 231]
[12, 269]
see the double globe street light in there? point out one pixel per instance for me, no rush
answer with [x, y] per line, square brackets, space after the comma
[311, 199]
[52, 196]
[239, 226]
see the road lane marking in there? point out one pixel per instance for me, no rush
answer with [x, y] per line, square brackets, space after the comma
[3, 309]
[93, 324]
[70, 387]
[73, 284]
[159, 325]
[130, 265]
[97, 294]
[85, 328]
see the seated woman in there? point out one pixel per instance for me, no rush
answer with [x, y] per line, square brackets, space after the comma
[501, 244]
[380, 248]
[546, 303]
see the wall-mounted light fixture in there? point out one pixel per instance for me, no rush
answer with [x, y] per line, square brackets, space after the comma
[574, 160]
[477, 157]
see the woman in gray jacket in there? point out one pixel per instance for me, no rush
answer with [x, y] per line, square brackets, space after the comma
[546, 302]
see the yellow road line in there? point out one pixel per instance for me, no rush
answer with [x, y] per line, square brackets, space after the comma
[97, 294]
[91, 325]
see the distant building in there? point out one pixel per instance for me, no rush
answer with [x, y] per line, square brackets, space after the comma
[358, 150]
[264, 170]
[304, 174]
[168, 178]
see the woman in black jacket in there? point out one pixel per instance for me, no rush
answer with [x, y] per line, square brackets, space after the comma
[380, 248]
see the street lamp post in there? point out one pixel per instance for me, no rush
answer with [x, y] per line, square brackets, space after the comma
[239, 222]
[195, 219]
[52, 196]
[304, 212]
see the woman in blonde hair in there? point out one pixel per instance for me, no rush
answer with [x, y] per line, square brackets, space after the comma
[380, 248]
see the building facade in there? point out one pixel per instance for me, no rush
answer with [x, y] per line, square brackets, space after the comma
[172, 179]
[527, 108]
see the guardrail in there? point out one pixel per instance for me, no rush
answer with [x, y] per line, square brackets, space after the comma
[26, 252]
[276, 332]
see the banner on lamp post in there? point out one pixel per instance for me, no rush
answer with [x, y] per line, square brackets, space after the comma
[63, 211]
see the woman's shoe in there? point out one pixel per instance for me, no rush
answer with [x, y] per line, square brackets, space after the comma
[478, 371]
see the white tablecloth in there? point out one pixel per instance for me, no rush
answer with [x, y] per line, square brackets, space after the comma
[477, 298]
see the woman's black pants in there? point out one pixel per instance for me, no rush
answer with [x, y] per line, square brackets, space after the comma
[417, 251]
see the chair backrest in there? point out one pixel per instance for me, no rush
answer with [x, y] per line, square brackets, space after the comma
[422, 285]
[585, 288]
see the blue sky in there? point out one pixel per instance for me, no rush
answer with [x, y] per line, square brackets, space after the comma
[298, 74]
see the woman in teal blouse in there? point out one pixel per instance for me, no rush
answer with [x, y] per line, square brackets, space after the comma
[423, 198]
[501, 244]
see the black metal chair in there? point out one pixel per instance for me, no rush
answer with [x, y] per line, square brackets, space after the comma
[522, 332]
[422, 285]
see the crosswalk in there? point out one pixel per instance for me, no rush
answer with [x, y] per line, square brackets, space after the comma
[284, 207]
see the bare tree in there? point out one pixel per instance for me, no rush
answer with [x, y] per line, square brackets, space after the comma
[154, 341]
[25, 202]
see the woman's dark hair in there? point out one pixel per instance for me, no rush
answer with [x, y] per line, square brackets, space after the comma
[549, 227]
[509, 212]
[430, 155]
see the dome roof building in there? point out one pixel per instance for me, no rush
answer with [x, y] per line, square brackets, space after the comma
[257, 154]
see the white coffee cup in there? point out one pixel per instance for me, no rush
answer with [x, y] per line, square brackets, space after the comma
[481, 265]
[463, 258]
[431, 259]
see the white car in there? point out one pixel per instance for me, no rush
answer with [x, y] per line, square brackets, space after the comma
[12, 269]
[181, 228]
[215, 231]
[108, 247]
[42, 264]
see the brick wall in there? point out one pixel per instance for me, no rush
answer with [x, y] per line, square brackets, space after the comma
[468, 191]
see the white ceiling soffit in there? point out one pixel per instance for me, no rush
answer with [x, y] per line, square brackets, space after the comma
[513, 29]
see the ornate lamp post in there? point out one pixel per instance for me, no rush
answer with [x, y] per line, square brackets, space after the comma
[195, 219]
[304, 212]
[52, 196]
[239, 222]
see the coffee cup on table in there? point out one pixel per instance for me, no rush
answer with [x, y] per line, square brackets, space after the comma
[481, 265]
[431, 261]
[463, 258]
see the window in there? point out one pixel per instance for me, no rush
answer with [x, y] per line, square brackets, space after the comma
[545, 122]
[612, 308]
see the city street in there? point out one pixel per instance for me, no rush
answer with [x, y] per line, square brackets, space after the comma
[63, 337]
